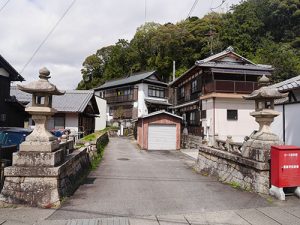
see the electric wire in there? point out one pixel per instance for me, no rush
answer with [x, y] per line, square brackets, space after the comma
[214, 8]
[48, 35]
[3, 6]
[193, 7]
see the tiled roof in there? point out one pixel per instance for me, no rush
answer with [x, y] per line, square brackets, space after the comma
[234, 65]
[71, 101]
[21, 96]
[287, 85]
[220, 54]
[244, 66]
[128, 80]
[14, 75]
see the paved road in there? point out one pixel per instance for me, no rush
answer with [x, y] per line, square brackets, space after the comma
[133, 187]
[130, 182]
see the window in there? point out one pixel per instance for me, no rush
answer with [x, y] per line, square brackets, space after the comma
[194, 86]
[2, 117]
[122, 92]
[181, 92]
[127, 92]
[111, 111]
[157, 92]
[59, 122]
[193, 118]
[232, 114]
[203, 114]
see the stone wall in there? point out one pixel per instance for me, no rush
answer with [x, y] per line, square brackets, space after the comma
[33, 182]
[235, 169]
[191, 141]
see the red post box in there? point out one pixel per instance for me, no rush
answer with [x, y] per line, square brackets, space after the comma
[285, 168]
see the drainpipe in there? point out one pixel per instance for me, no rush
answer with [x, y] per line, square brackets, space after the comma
[214, 119]
[143, 133]
[283, 122]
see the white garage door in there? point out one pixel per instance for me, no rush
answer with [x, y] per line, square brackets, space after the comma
[161, 137]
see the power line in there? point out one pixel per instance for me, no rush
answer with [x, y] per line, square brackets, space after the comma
[3, 6]
[48, 35]
[193, 7]
[212, 9]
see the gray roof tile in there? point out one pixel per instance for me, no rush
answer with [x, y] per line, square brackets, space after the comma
[128, 80]
[71, 101]
[290, 84]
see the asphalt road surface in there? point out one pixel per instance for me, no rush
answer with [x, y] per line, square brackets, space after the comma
[131, 182]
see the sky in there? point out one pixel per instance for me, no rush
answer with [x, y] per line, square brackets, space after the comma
[87, 26]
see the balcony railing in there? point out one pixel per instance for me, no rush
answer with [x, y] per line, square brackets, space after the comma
[242, 87]
[122, 98]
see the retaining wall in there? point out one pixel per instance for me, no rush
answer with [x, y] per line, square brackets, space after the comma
[234, 169]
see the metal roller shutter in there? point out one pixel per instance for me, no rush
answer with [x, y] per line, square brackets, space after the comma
[162, 137]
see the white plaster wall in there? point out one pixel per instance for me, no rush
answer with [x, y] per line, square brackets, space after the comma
[277, 125]
[71, 122]
[238, 129]
[108, 117]
[3, 72]
[141, 105]
[292, 124]
[100, 122]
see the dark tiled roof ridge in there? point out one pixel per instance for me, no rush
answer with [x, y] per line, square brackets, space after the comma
[128, 75]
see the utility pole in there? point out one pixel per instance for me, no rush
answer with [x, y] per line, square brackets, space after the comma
[174, 70]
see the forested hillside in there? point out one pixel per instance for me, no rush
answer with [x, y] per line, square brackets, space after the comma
[265, 31]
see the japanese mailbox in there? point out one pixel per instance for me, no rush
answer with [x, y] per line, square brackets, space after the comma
[285, 169]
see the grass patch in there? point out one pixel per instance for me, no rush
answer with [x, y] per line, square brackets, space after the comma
[101, 144]
[97, 134]
[96, 161]
[234, 184]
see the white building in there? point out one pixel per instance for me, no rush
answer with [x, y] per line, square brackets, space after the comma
[287, 124]
[209, 96]
[134, 96]
[100, 122]
[228, 114]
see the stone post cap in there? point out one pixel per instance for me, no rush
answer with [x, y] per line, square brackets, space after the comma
[44, 73]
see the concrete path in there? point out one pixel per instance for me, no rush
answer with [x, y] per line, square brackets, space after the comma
[131, 182]
[137, 187]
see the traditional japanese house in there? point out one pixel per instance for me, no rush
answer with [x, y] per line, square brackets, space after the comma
[134, 96]
[77, 110]
[209, 96]
[12, 113]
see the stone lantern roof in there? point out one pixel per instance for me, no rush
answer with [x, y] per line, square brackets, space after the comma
[41, 86]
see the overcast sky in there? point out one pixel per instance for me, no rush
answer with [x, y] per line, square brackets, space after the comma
[88, 26]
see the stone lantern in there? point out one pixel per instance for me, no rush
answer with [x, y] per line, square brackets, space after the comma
[259, 144]
[36, 175]
[41, 109]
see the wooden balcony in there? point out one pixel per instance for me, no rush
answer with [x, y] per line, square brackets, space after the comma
[188, 98]
[122, 98]
[240, 87]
